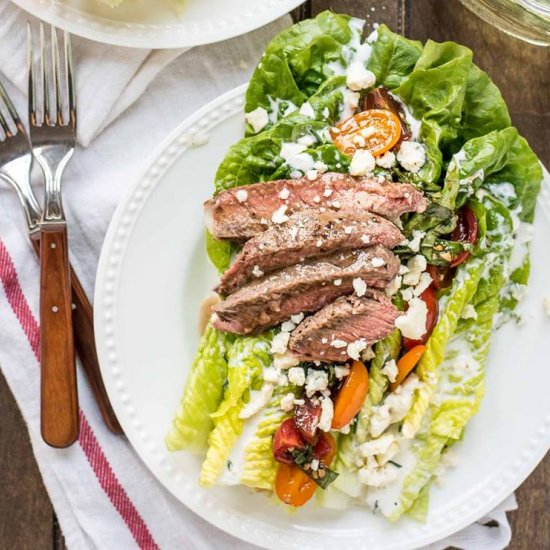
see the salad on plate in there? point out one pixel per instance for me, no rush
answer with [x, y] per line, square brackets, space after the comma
[371, 231]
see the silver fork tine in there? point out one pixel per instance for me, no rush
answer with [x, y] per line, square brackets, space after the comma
[11, 109]
[46, 78]
[55, 77]
[71, 90]
[5, 126]
[33, 112]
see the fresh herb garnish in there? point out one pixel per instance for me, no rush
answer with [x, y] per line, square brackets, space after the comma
[395, 464]
[304, 459]
[229, 465]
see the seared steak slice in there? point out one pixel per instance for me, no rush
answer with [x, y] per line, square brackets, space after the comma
[242, 212]
[325, 336]
[307, 234]
[302, 288]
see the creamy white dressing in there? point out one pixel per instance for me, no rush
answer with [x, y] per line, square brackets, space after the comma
[413, 123]
[275, 108]
[235, 464]
[520, 250]
[386, 499]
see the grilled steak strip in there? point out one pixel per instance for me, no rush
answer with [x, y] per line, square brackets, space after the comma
[303, 288]
[325, 335]
[243, 212]
[307, 234]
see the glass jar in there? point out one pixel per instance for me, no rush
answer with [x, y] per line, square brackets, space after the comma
[525, 19]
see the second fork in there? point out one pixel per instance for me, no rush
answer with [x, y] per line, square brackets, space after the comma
[52, 119]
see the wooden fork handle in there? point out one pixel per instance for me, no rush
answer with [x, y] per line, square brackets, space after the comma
[59, 397]
[83, 327]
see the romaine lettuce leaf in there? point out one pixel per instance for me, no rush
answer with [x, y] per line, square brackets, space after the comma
[202, 394]
[246, 359]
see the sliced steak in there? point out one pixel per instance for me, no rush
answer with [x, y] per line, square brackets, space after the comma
[325, 336]
[307, 234]
[242, 212]
[302, 288]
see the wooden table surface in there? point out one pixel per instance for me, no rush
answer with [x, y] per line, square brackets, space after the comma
[522, 72]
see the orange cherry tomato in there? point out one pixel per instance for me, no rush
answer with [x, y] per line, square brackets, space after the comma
[376, 130]
[292, 485]
[406, 364]
[351, 396]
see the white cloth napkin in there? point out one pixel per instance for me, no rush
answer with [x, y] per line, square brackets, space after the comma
[103, 495]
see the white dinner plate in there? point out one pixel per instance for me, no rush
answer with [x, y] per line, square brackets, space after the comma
[153, 274]
[153, 24]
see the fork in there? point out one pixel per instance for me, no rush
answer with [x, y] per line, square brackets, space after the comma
[16, 160]
[53, 136]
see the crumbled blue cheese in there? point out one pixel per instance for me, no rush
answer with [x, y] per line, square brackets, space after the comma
[378, 477]
[350, 103]
[307, 110]
[295, 157]
[258, 400]
[469, 312]
[337, 282]
[394, 407]
[287, 402]
[271, 375]
[297, 376]
[327, 412]
[258, 119]
[377, 262]
[387, 160]
[279, 215]
[297, 319]
[411, 156]
[415, 267]
[338, 343]
[316, 381]
[423, 284]
[414, 243]
[283, 360]
[257, 272]
[377, 446]
[359, 286]
[284, 193]
[394, 285]
[279, 344]
[241, 195]
[341, 372]
[355, 348]
[320, 166]
[413, 323]
[362, 163]
[288, 326]
[358, 77]
[390, 370]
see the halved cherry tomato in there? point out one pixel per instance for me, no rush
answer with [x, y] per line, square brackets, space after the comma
[464, 232]
[380, 98]
[325, 448]
[307, 418]
[406, 364]
[351, 396]
[287, 438]
[442, 276]
[292, 485]
[375, 130]
[430, 298]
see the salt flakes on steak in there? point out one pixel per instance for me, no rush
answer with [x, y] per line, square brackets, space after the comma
[241, 195]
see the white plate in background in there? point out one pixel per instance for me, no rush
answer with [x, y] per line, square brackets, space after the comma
[153, 24]
[152, 276]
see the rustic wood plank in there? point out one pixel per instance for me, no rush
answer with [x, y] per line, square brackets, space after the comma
[26, 516]
[390, 12]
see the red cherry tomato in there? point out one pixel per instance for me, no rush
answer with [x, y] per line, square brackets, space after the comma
[430, 298]
[442, 276]
[307, 418]
[464, 232]
[287, 438]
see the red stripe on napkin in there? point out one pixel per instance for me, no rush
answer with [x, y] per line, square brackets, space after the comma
[87, 439]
